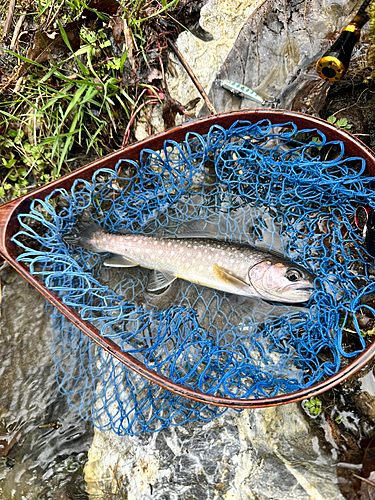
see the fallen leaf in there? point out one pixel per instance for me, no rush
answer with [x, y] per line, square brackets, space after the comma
[52, 44]
[7, 441]
[192, 104]
[153, 74]
[170, 109]
[117, 25]
[107, 6]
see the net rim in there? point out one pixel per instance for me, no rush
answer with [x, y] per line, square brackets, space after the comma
[9, 226]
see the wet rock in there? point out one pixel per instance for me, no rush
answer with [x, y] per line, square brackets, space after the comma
[368, 489]
[259, 454]
[223, 19]
[366, 405]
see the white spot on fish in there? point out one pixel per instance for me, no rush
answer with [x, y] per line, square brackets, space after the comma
[155, 242]
[201, 268]
[169, 243]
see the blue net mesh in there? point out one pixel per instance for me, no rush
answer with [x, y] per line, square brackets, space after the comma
[274, 187]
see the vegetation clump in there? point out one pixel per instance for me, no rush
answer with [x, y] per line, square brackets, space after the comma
[81, 73]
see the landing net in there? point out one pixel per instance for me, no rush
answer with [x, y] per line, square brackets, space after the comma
[284, 190]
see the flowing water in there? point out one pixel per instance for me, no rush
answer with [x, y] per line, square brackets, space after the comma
[43, 443]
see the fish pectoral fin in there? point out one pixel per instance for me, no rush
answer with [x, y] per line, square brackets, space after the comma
[228, 278]
[159, 280]
[119, 261]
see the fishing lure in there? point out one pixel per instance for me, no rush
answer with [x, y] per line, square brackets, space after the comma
[242, 91]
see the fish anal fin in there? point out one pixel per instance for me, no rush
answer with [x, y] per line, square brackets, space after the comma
[228, 278]
[119, 261]
[159, 280]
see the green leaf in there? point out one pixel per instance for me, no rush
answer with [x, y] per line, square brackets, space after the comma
[67, 42]
[331, 119]
[343, 122]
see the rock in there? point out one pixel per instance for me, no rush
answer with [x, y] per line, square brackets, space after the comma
[258, 454]
[365, 403]
[223, 19]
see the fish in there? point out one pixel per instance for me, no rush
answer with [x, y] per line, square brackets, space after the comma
[229, 267]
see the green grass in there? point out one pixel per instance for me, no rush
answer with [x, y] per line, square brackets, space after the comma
[75, 104]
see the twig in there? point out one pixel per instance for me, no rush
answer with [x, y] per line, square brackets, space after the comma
[9, 18]
[132, 118]
[193, 77]
[17, 30]
[364, 479]
[49, 13]
[55, 15]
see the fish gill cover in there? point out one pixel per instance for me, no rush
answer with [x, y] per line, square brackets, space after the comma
[275, 187]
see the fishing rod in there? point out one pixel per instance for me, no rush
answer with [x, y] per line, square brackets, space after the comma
[334, 63]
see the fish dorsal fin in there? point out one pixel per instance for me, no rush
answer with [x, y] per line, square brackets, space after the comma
[228, 278]
[119, 261]
[159, 280]
[197, 229]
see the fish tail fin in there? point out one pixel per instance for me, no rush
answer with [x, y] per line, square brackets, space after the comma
[82, 233]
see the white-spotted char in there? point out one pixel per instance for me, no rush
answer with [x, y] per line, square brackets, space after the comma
[229, 267]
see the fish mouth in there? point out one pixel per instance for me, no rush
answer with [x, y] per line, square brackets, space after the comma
[303, 289]
[300, 294]
[299, 288]
[288, 296]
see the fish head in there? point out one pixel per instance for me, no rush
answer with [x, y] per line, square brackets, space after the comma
[282, 281]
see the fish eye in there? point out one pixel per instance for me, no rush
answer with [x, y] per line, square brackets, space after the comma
[293, 274]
